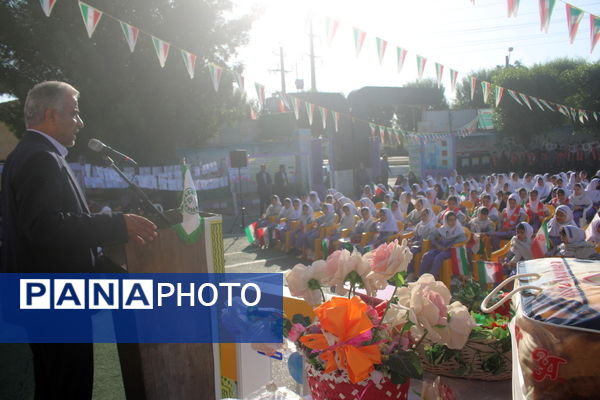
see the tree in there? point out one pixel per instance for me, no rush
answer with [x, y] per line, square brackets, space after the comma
[407, 116]
[127, 99]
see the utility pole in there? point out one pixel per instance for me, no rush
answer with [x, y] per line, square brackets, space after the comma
[313, 77]
[281, 70]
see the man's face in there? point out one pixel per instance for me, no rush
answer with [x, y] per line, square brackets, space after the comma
[67, 122]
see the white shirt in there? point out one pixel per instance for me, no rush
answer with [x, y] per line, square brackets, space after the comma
[62, 150]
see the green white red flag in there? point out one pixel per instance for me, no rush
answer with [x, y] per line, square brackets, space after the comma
[239, 78]
[486, 87]
[541, 242]
[260, 92]
[439, 73]
[382, 133]
[460, 261]
[47, 6]
[359, 40]
[546, 8]
[373, 128]
[324, 114]
[421, 62]
[401, 55]
[513, 7]
[595, 115]
[189, 60]
[131, 34]
[548, 106]
[473, 86]
[525, 99]
[162, 50]
[489, 272]
[253, 113]
[515, 96]
[574, 16]
[563, 110]
[336, 120]
[91, 17]
[498, 91]
[537, 103]
[381, 46]
[297, 104]
[331, 27]
[453, 80]
[216, 73]
[594, 30]
[310, 111]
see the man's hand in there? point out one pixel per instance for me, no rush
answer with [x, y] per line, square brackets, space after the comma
[139, 229]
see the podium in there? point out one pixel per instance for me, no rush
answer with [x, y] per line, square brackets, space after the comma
[174, 370]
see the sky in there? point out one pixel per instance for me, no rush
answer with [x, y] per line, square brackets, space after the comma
[455, 33]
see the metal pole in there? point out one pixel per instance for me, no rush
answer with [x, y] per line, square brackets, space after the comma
[242, 208]
[282, 68]
[313, 77]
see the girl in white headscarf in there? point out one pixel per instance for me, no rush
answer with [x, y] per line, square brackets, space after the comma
[366, 202]
[314, 201]
[365, 225]
[580, 202]
[543, 188]
[563, 216]
[520, 245]
[396, 211]
[273, 210]
[575, 245]
[449, 234]
[414, 217]
[592, 233]
[593, 191]
[536, 210]
[324, 221]
[387, 226]
[345, 200]
[346, 222]
[306, 218]
[509, 219]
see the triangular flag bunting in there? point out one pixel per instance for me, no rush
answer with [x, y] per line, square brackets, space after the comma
[594, 30]
[239, 78]
[162, 50]
[563, 110]
[324, 114]
[525, 99]
[595, 115]
[331, 26]
[216, 73]
[453, 80]
[260, 92]
[382, 133]
[401, 54]
[513, 7]
[548, 106]
[189, 60]
[91, 17]
[297, 104]
[473, 86]
[486, 87]
[381, 46]
[574, 16]
[192, 225]
[515, 96]
[310, 111]
[336, 120]
[47, 6]
[439, 73]
[253, 113]
[421, 61]
[373, 128]
[359, 39]
[131, 34]
[546, 8]
[537, 102]
[498, 91]
[581, 116]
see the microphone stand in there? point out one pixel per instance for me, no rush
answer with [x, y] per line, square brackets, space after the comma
[147, 205]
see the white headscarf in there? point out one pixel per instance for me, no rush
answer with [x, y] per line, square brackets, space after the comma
[424, 229]
[510, 211]
[403, 203]
[575, 234]
[554, 226]
[286, 212]
[523, 247]
[296, 213]
[390, 224]
[580, 200]
[306, 218]
[591, 232]
[397, 212]
[592, 192]
[347, 221]
[274, 209]
[448, 232]
[329, 215]
[346, 201]
[316, 204]
[367, 202]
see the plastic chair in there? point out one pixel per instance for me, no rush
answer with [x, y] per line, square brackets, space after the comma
[358, 204]
[446, 273]
[398, 235]
[294, 226]
[323, 233]
[380, 205]
[498, 254]
[436, 209]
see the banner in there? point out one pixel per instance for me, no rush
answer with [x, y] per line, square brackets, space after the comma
[331, 27]
[513, 7]
[359, 39]
[421, 61]
[260, 92]
[486, 87]
[324, 114]
[594, 30]
[381, 46]
[439, 73]
[498, 91]
[453, 79]
[546, 8]
[525, 99]
[310, 111]
[47, 6]
[91, 17]
[515, 96]
[216, 73]
[162, 50]
[574, 16]
[189, 60]
[131, 34]
[473, 86]
[401, 54]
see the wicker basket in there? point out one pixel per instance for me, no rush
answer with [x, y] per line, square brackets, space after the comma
[336, 386]
[473, 354]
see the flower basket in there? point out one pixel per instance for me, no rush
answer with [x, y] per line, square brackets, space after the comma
[335, 385]
[482, 359]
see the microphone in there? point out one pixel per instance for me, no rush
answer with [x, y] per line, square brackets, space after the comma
[99, 147]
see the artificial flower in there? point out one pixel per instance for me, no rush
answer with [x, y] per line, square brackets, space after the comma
[386, 261]
[304, 281]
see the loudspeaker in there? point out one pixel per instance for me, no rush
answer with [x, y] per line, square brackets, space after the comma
[239, 158]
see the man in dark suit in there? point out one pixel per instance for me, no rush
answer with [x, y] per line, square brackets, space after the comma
[263, 183]
[281, 184]
[47, 226]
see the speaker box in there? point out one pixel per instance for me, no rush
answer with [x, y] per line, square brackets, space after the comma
[239, 158]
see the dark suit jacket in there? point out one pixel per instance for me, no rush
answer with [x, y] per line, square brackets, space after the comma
[280, 179]
[46, 223]
[263, 183]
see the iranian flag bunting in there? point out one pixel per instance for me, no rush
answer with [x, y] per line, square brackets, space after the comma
[546, 8]
[310, 111]
[541, 242]
[331, 26]
[515, 96]
[594, 30]
[537, 103]
[581, 116]
[525, 99]
[162, 50]
[486, 87]
[297, 105]
[359, 40]
[253, 115]
[421, 61]
[460, 262]
[373, 128]
[498, 91]
[91, 17]
[574, 16]
[548, 106]
[336, 120]
[595, 115]
[381, 46]
[473, 86]
[131, 34]
[47, 6]
[489, 272]
[216, 73]
[563, 110]
[513, 7]
[439, 73]
[382, 133]
[401, 54]
[189, 60]
[324, 114]
[260, 92]
[239, 78]
[192, 224]
[453, 79]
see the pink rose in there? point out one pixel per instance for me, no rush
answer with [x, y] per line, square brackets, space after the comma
[295, 332]
[439, 302]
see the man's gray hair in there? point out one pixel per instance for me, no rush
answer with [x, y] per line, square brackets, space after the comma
[45, 95]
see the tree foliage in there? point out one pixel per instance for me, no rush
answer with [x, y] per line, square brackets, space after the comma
[127, 99]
